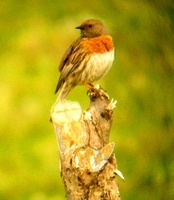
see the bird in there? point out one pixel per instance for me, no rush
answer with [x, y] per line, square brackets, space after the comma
[87, 59]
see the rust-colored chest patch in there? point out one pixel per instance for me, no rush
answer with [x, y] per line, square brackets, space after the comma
[100, 44]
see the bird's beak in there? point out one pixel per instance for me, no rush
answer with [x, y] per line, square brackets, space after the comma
[80, 27]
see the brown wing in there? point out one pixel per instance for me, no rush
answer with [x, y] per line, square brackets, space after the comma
[66, 62]
[66, 58]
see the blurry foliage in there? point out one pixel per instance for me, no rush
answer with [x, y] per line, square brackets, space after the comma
[33, 37]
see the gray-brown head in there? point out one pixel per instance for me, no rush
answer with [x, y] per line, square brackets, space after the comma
[92, 28]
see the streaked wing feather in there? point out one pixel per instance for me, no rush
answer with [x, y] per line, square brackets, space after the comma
[66, 58]
[68, 62]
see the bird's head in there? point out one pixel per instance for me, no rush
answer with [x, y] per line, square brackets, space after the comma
[92, 28]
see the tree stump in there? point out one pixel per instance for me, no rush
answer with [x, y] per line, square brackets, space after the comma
[88, 166]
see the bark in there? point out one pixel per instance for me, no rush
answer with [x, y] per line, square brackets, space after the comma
[88, 166]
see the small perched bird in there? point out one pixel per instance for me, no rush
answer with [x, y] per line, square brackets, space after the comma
[87, 59]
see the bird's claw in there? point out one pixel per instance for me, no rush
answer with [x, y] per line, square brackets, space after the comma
[96, 91]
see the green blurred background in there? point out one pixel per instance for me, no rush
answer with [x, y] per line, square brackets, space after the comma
[33, 36]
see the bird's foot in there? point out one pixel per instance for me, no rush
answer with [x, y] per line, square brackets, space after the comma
[96, 91]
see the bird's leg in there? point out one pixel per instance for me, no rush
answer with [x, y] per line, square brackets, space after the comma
[89, 85]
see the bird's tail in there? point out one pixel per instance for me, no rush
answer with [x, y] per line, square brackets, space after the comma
[63, 91]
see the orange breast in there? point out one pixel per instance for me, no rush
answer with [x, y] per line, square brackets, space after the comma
[100, 44]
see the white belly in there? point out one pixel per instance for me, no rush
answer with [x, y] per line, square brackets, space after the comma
[97, 66]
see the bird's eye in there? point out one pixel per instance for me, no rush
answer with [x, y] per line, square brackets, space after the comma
[90, 25]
